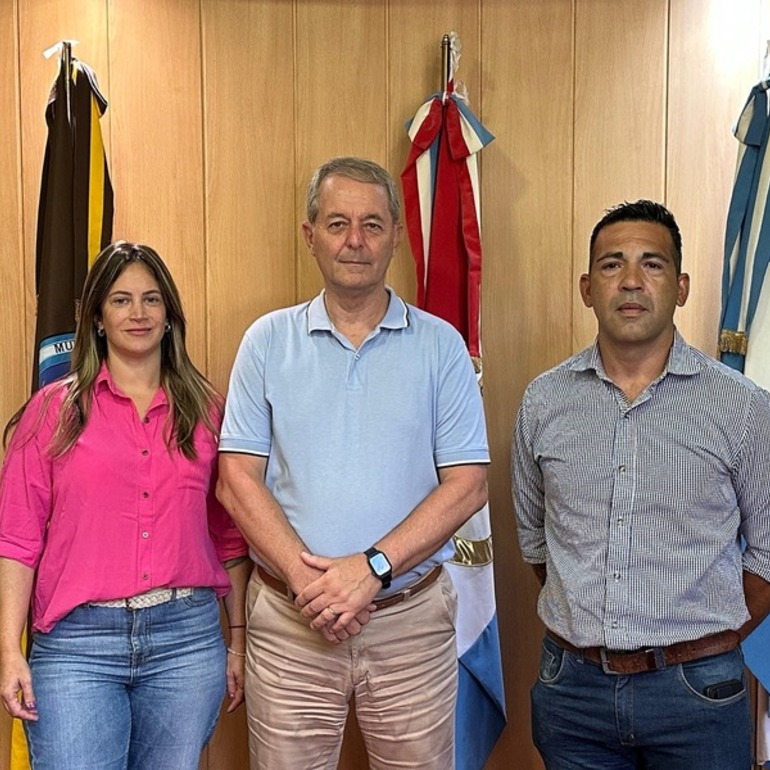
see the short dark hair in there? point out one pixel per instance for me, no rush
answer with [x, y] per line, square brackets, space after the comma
[359, 170]
[641, 211]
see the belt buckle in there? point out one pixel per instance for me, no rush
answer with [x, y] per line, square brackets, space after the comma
[657, 653]
[606, 663]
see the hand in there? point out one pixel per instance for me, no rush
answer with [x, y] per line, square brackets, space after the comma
[14, 677]
[340, 600]
[236, 665]
[299, 580]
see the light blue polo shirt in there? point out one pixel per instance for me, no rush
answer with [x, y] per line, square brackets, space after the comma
[354, 437]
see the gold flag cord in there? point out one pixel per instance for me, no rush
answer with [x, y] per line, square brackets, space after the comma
[733, 342]
[472, 553]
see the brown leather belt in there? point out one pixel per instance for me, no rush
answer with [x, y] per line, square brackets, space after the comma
[651, 658]
[388, 601]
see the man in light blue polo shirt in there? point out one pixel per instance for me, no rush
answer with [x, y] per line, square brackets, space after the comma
[353, 447]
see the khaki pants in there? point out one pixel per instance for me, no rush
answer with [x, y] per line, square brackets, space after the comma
[402, 669]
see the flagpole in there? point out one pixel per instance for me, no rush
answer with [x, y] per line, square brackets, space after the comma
[66, 63]
[446, 62]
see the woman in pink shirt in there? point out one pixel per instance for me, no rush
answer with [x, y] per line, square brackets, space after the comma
[110, 527]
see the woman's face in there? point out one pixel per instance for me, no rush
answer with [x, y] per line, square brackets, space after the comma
[133, 315]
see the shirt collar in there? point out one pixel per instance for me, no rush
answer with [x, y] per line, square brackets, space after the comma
[104, 381]
[396, 316]
[681, 359]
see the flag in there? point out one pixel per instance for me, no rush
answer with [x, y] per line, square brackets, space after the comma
[744, 337]
[74, 216]
[480, 698]
[441, 201]
[74, 225]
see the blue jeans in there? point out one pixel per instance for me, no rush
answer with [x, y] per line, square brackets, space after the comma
[585, 719]
[121, 689]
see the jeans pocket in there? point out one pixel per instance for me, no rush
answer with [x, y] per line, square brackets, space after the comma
[717, 679]
[551, 663]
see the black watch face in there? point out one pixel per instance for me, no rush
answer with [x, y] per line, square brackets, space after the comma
[380, 564]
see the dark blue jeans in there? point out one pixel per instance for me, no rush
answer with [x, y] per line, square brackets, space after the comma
[121, 689]
[584, 719]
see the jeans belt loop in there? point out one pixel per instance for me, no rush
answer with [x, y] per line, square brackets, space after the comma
[660, 657]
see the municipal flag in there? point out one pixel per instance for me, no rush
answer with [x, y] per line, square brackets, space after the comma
[74, 215]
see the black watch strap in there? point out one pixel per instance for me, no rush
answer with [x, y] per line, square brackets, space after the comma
[380, 565]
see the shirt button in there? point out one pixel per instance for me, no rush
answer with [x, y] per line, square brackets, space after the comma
[147, 418]
[620, 519]
[614, 624]
[622, 468]
[145, 494]
[145, 452]
[616, 576]
[145, 535]
[145, 576]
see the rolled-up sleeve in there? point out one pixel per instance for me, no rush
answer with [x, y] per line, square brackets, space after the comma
[26, 491]
[227, 538]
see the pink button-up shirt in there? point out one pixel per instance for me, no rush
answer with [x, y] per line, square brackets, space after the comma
[118, 514]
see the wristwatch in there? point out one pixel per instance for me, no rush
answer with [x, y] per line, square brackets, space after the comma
[380, 565]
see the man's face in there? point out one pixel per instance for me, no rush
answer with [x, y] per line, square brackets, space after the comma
[353, 237]
[632, 284]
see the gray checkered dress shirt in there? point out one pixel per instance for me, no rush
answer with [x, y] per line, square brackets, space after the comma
[637, 509]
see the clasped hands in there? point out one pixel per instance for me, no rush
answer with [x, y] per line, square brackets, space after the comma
[339, 601]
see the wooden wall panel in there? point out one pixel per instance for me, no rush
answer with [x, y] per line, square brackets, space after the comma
[713, 50]
[14, 382]
[248, 111]
[220, 109]
[251, 223]
[620, 120]
[414, 73]
[157, 158]
[341, 69]
[527, 202]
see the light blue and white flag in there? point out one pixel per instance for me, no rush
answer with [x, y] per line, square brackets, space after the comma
[480, 698]
[744, 339]
[747, 234]
[442, 212]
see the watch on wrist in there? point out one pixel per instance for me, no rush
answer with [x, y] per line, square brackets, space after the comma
[380, 566]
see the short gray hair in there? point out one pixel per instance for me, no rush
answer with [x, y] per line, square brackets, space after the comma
[361, 171]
